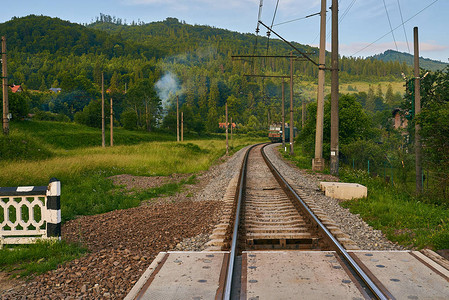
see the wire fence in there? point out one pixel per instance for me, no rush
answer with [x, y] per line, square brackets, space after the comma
[401, 173]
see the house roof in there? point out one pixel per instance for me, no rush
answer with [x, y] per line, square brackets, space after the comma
[56, 90]
[16, 88]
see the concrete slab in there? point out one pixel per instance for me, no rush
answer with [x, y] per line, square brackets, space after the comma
[407, 274]
[343, 190]
[296, 275]
[182, 275]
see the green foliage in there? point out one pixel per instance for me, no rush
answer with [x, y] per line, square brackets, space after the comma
[401, 217]
[38, 258]
[49, 116]
[129, 120]
[91, 115]
[354, 125]
[362, 151]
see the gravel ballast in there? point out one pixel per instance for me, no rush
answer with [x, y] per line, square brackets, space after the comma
[359, 231]
[123, 243]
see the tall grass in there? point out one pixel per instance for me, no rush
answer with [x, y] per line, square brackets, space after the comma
[403, 218]
[84, 171]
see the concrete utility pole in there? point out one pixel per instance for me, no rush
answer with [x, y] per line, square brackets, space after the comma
[5, 88]
[291, 104]
[103, 141]
[283, 115]
[177, 118]
[418, 158]
[112, 125]
[334, 91]
[182, 126]
[318, 161]
[227, 144]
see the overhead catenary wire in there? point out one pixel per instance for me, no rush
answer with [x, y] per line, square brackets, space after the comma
[391, 27]
[272, 22]
[257, 35]
[412, 17]
[403, 26]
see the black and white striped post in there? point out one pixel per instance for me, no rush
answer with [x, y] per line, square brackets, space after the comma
[54, 208]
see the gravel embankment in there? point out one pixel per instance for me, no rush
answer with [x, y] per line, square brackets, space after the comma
[123, 243]
[360, 232]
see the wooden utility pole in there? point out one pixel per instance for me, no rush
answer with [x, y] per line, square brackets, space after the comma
[227, 144]
[283, 115]
[334, 91]
[182, 126]
[147, 116]
[318, 161]
[112, 125]
[177, 118]
[5, 88]
[418, 155]
[103, 141]
[291, 104]
[231, 132]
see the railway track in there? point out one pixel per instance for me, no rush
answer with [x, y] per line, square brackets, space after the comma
[250, 253]
[270, 218]
[275, 217]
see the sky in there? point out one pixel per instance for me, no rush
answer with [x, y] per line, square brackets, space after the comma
[364, 29]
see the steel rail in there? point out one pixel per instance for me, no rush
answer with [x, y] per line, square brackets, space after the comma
[230, 271]
[370, 284]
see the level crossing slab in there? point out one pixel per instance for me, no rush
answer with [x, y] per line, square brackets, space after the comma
[406, 274]
[183, 275]
[296, 275]
[292, 275]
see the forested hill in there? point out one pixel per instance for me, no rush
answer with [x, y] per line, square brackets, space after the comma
[44, 52]
[425, 63]
[36, 34]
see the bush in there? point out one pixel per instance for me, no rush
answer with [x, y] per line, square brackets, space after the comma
[129, 120]
[49, 116]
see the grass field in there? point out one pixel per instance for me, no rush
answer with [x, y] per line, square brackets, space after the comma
[309, 89]
[34, 152]
[402, 217]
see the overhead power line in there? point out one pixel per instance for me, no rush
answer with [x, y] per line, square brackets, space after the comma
[435, 1]
[391, 27]
[403, 26]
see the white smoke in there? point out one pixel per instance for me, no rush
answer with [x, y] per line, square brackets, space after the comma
[167, 87]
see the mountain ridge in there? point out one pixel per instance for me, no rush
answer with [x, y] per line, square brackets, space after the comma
[425, 63]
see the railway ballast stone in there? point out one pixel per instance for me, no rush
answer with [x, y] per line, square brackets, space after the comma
[353, 225]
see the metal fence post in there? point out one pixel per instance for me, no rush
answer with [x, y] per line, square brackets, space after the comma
[54, 208]
[368, 166]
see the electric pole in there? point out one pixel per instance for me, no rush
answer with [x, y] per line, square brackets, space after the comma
[291, 104]
[231, 134]
[112, 125]
[418, 161]
[318, 161]
[334, 91]
[5, 88]
[182, 126]
[103, 142]
[177, 118]
[227, 144]
[283, 115]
